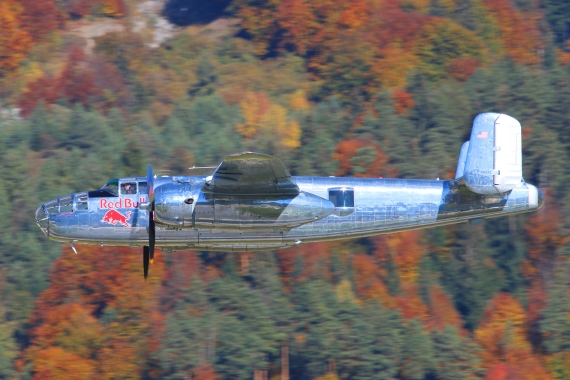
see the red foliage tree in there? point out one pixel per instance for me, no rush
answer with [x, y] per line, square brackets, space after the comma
[89, 80]
[44, 89]
[205, 372]
[76, 82]
[41, 17]
[403, 101]
[501, 371]
[462, 68]
[361, 158]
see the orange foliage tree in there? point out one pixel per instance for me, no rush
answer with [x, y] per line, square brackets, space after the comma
[502, 334]
[114, 8]
[54, 363]
[113, 314]
[544, 238]
[361, 158]
[368, 280]
[519, 32]
[14, 40]
[442, 312]
[356, 48]
[405, 251]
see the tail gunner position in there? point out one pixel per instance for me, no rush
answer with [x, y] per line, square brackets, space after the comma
[251, 202]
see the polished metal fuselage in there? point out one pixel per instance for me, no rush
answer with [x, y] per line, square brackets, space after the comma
[380, 206]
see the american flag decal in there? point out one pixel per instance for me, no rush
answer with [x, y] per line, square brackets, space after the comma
[483, 135]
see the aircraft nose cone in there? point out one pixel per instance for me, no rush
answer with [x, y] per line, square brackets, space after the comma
[42, 219]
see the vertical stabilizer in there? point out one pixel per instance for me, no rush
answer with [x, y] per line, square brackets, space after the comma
[461, 161]
[493, 164]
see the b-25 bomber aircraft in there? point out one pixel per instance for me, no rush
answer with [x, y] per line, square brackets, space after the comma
[251, 202]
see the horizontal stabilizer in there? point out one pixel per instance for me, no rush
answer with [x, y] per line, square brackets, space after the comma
[493, 163]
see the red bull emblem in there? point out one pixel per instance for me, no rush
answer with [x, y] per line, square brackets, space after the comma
[121, 203]
[113, 217]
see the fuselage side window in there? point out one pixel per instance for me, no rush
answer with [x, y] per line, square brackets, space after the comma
[342, 197]
[143, 188]
[128, 188]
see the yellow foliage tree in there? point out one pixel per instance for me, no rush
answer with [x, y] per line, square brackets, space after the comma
[299, 101]
[271, 119]
[253, 107]
[14, 41]
[328, 376]
[442, 41]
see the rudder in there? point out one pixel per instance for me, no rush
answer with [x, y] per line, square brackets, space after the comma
[493, 163]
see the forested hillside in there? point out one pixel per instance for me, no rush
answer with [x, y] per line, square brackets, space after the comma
[96, 89]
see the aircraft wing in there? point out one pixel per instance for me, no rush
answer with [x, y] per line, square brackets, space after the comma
[251, 173]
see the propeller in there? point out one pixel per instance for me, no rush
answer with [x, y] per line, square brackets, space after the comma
[148, 250]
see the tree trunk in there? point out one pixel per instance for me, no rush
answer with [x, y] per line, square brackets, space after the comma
[284, 362]
[260, 374]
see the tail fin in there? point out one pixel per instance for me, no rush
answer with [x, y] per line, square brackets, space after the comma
[493, 159]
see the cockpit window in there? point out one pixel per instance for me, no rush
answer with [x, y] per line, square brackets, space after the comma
[112, 187]
[143, 188]
[128, 188]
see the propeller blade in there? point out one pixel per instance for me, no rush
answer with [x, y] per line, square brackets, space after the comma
[146, 259]
[149, 184]
[151, 223]
[151, 239]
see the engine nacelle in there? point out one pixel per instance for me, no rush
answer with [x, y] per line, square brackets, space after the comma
[173, 203]
[181, 205]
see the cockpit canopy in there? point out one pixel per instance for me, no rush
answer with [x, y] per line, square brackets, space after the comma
[123, 186]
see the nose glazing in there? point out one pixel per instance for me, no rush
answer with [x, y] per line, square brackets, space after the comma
[42, 219]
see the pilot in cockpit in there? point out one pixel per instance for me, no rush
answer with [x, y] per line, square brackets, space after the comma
[129, 188]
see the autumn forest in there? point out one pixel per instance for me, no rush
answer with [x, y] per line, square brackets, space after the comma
[97, 89]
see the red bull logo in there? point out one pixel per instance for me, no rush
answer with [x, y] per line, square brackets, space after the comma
[121, 203]
[113, 217]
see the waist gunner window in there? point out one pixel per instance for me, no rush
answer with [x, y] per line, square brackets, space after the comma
[342, 197]
[343, 200]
